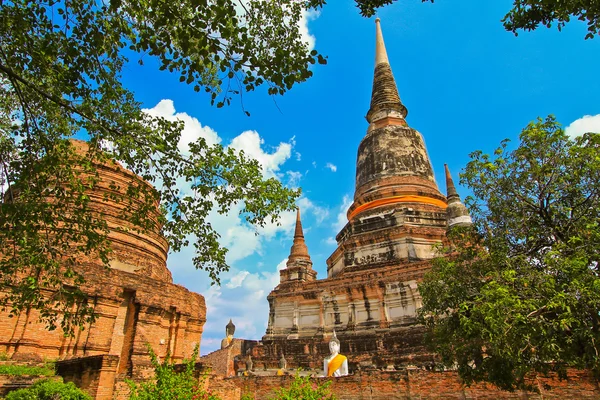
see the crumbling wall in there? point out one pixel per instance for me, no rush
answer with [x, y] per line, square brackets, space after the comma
[417, 384]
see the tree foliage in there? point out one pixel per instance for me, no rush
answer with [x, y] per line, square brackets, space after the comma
[519, 293]
[49, 389]
[60, 76]
[528, 14]
[304, 388]
[170, 384]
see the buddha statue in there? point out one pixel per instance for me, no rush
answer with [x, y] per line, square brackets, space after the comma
[282, 365]
[229, 331]
[336, 364]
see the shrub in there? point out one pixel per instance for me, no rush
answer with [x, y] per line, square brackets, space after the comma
[49, 389]
[17, 370]
[303, 389]
[169, 384]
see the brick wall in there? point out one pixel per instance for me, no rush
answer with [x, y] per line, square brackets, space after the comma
[413, 384]
[9, 383]
[95, 374]
[24, 336]
[225, 362]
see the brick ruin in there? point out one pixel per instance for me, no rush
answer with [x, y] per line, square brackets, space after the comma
[135, 300]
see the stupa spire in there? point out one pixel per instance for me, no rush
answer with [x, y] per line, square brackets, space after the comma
[299, 264]
[451, 192]
[385, 100]
[299, 251]
[380, 52]
[456, 213]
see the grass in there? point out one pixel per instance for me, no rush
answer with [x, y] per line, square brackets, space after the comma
[17, 370]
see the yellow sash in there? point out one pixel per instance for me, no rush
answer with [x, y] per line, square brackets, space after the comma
[334, 364]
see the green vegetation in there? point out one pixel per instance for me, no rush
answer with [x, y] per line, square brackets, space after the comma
[13, 369]
[520, 292]
[60, 75]
[49, 389]
[169, 384]
[526, 14]
[303, 389]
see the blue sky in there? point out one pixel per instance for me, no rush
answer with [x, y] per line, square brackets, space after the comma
[466, 82]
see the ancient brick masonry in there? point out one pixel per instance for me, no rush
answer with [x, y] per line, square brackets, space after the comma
[415, 384]
[135, 300]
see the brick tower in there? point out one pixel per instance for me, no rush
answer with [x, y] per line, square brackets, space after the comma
[398, 213]
[370, 296]
[299, 265]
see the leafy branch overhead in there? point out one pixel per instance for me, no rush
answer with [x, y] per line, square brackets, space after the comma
[60, 76]
[526, 14]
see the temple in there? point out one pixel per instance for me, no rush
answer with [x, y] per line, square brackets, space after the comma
[135, 301]
[395, 222]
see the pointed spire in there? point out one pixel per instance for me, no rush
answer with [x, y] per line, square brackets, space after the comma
[456, 213]
[298, 232]
[380, 53]
[299, 251]
[385, 100]
[450, 189]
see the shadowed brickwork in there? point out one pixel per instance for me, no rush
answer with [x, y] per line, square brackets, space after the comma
[413, 384]
[135, 300]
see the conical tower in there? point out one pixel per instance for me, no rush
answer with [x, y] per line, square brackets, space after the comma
[299, 264]
[398, 213]
[456, 214]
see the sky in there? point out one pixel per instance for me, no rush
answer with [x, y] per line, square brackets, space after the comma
[467, 84]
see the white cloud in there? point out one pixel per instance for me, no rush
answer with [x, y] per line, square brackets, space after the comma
[342, 219]
[244, 301]
[251, 143]
[192, 130]
[285, 224]
[331, 166]
[319, 212]
[236, 235]
[330, 240]
[237, 280]
[307, 37]
[585, 124]
[293, 178]
[281, 266]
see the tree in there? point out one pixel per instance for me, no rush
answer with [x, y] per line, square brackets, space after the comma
[528, 14]
[60, 75]
[169, 383]
[302, 388]
[518, 294]
[49, 389]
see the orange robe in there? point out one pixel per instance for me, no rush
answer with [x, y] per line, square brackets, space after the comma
[334, 364]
